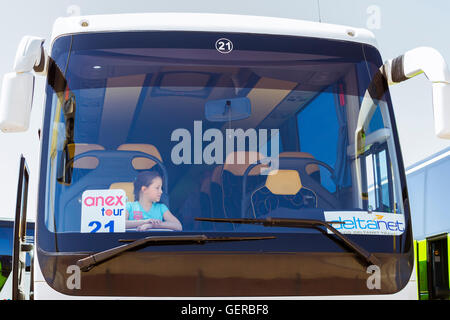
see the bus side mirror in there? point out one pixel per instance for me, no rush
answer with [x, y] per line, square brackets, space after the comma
[430, 62]
[16, 97]
[441, 109]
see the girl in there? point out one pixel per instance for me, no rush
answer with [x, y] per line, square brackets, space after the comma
[146, 212]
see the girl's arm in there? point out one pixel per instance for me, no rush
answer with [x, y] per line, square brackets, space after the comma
[169, 222]
[130, 224]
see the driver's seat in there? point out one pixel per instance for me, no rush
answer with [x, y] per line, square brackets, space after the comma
[311, 169]
[283, 188]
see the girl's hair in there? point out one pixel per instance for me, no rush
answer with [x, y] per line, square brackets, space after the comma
[144, 178]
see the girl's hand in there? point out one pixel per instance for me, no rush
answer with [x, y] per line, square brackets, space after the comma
[149, 224]
[144, 227]
[153, 221]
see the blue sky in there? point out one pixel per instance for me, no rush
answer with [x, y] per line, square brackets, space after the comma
[399, 26]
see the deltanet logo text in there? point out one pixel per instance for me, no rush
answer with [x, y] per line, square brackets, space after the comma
[367, 223]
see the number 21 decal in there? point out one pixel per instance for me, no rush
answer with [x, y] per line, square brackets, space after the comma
[97, 225]
[223, 45]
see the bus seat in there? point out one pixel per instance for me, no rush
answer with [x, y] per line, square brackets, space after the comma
[142, 163]
[311, 169]
[283, 188]
[102, 180]
[236, 163]
[216, 175]
[145, 163]
[310, 176]
[128, 187]
[198, 204]
[284, 182]
[216, 198]
[85, 162]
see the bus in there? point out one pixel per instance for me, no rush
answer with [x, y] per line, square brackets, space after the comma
[428, 184]
[262, 136]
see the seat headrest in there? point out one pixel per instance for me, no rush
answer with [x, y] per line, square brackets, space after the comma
[284, 182]
[142, 163]
[127, 186]
[310, 168]
[85, 162]
[237, 162]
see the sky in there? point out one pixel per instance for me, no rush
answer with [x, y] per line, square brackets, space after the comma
[399, 26]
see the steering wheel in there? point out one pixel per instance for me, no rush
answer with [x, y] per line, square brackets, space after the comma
[299, 164]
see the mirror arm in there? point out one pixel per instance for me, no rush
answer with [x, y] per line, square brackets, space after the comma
[430, 62]
[420, 60]
[31, 56]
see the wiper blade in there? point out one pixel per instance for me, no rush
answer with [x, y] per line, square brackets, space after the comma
[302, 223]
[89, 262]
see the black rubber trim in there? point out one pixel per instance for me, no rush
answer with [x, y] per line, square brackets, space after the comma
[379, 85]
[397, 70]
[41, 66]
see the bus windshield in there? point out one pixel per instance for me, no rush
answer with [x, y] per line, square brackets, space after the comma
[148, 131]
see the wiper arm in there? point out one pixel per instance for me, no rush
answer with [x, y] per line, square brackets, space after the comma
[303, 223]
[89, 262]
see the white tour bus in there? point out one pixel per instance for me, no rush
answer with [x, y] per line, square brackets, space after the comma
[210, 155]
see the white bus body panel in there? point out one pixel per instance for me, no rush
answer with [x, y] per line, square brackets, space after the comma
[207, 22]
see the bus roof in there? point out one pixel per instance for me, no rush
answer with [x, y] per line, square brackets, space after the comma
[209, 22]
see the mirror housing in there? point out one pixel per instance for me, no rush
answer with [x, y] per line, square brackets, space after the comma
[441, 109]
[16, 100]
[16, 97]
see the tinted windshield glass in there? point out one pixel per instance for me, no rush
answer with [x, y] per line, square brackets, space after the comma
[271, 128]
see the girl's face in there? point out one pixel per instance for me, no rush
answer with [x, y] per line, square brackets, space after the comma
[154, 190]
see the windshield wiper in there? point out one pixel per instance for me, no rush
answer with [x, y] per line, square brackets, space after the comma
[302, 223]
[89, 262]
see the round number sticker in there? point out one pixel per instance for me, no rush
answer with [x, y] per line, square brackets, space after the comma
[223, 45]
